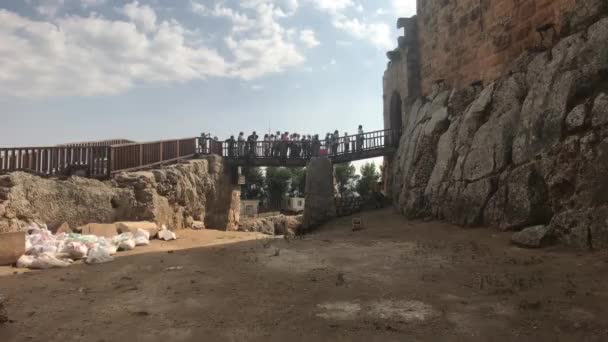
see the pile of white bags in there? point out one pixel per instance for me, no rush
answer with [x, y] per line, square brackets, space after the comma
[44, 250]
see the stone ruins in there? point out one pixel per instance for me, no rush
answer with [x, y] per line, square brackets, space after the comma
[503, 107]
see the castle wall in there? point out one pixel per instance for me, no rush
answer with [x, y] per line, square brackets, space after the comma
[462, 41]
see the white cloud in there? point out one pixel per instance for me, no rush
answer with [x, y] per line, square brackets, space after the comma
[259, 43]
[404, 8]
[378, 33]
[333, 62]
[198, 8]
[333, 6]
[308, 38]
[257, 87]
[381, 11]
[142, 15]
[344, 43]
[95, 56]
[49, 8]
[92, 55]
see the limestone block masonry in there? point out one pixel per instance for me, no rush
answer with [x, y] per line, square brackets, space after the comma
[320, 203]
[462, 41]
[177, 196]
[530, 148]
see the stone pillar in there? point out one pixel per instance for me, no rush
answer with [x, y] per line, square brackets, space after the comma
[320, 204]
[226, 210]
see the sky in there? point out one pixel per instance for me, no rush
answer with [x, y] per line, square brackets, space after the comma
[81, 70]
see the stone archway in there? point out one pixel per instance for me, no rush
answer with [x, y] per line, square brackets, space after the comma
[396, 111]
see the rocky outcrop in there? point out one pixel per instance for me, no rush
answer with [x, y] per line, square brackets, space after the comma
[273, 225]
[529, 149]
[176, 196]
[532, 237]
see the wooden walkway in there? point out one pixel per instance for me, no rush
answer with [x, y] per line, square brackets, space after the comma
[297, 154]
[102, 159]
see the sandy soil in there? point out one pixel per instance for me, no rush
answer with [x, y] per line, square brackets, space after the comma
[394, 281]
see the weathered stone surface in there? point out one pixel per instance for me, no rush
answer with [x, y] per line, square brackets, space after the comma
[100, 229]
[599, 114]
[576, 117]
[64, 228]
[175, 196]
[12, 246]
[132, 227]
[273, 225]
[198, 225]
[319, 193]
[532, 237]
[529, 149]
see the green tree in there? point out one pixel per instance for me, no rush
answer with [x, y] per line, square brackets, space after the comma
[298, 181]
[254, 183]
[278, 181]
[369, 178]
[346, 179]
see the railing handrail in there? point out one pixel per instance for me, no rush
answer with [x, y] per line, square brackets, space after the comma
[153, 142]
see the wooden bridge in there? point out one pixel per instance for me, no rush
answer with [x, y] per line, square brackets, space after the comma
[102, 159]
[297, 153]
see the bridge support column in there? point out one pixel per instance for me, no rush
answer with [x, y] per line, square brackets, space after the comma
[225, 214]
[320, 204]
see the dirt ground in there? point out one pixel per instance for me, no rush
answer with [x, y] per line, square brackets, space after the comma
[396, 280]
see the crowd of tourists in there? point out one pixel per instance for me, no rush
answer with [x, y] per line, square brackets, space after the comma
[292, 145]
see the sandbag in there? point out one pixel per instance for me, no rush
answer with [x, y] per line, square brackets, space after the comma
[42, 261]
[166, 235]
[76, 250]
[98, 255]
[142, 237]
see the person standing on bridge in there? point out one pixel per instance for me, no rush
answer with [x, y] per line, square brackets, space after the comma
[304, 145]
[230, 143]
[241, 145]
[335, 142]
[284, 145]
[315, 145]
[266, 145]
[346, 142]
[360, 138]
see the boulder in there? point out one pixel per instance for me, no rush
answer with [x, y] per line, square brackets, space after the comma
[64, 228]
[198, 225]
[599, 114]
[576, 117]
[100, 229]
[532, 237]
[12, 246]
[132, 227]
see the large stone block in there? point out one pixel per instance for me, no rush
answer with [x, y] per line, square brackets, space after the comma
[132, 227]
[100, 229]
[12, 246]
[320, 203]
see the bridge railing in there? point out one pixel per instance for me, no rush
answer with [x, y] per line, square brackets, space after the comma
[299, 149]
[128, 157]
[56, 160]
[96, 159]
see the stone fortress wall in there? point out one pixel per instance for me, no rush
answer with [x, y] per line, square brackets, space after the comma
[463, 41]
[525, 145]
